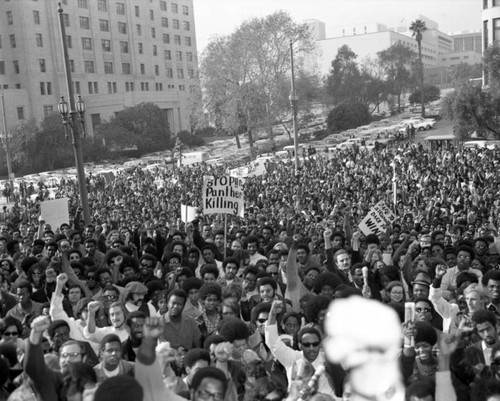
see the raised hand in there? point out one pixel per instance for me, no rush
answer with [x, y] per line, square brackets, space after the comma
[153, 328]
[62, 279]
[40, 324]
[94, 306]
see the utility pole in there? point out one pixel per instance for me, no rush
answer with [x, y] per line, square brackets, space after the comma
[293, 102]
[7, 146]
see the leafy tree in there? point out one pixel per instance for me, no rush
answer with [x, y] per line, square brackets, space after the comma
[346, 116]
[474, 110]
[190, 140]
[491, 60]
[396, 62]
[418, 28]
[431, 93]
[144, 126]
[463, 72]
[343, 84]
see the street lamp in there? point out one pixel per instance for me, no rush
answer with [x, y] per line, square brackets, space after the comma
[293, 102]
[73, 114]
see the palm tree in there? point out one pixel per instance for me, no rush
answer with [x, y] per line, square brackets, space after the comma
[418, 28]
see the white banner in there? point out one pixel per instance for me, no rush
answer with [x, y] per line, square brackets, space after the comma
[223, 195]
[55, 212]
[188, 213]
[377, 219]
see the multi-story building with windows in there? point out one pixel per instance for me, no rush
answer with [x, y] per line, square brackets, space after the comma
[491, 26]
[122, 53]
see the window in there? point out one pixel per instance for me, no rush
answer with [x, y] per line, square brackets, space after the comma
[186, 25]
[496, 3]
[124, 47]
[77, 87]
[114, 87]
[167, 54]
[69, 42]
[126, 68]
[91, 88]
[122, 27]
[175, 8]
[139, 31]
[111, 87]
[187, 41]
[16, 66]
[190, 73]
[163, 5]
[485, 34]
[108, 67]
[83, 4]
[189, 56]
[166, 38]
[66, 19]
[180, 73]
[72, 65]
[185, 10]
[102, 5]
[182, 87]
[140, 48]
[177, 40]
[36, 17]
[84, 23]
[96, 87]
[120, 8]
[89, 67]
[20, 113]
[10, 20]
[131, 86]
[39, 40]
[2, 67]
[41, 62]
[157, 70]
[169, 72]
[155, 50]
[178, 55]
[106, 45]
[12, 41]
[104, 25]
[0, 41]
[153, 33]
[142, 86]
[175, 23]
[137, 13]
[151, 15]
[496, 30]
[49, 88]
[87, 43]
[127, 86]
[164, 22]
[143, 69]
[47, 110]
[485, 3]
[42, 88]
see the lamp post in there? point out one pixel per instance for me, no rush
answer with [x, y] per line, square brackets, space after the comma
[73, 117]
[293, 102]
[7, 147]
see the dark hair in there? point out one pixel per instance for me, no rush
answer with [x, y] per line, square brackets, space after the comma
[55, 325]
[209, 372]
[109, 338]
[232, 328]
[316, 304]
[129, 261]
[308, 330]
[25, 284]
[267, 281]
[258, 309]
[209, 268]
[304, 247]
[191, 283]
[484, 389]
[178, 293]
[229, 260]
[483, 316]
[134, 315]
[12, 321]
[195, 355]
[326, 278]
[90, 241]
[100, 271]
[210, 289]
[420, 389]
[490, 275]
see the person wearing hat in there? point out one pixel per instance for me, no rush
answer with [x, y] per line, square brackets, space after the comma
[465, 255]
[134, 297]
[421, 285]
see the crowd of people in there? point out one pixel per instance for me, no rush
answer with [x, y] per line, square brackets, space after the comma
[139, 305]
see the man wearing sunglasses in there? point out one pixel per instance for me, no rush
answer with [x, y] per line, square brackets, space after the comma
[310, 353]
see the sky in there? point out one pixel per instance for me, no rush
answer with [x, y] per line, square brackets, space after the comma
[221, 17]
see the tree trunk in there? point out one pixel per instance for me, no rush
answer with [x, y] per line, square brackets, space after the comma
[421, 73]
[238, 144]
[250, 142]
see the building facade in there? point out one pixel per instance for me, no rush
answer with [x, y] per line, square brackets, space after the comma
[491, 26]
[122, 53]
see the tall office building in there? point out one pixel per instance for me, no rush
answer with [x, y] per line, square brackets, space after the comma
[491, 26]
[122, 53]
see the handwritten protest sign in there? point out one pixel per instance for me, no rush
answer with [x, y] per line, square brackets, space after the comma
[223, 195]
[377, 219]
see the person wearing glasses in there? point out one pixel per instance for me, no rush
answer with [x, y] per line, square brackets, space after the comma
[112, 363]
[12, 330]
[465, 255]
[310, 352]
[51, 385]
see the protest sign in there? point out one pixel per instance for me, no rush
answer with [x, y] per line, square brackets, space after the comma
[377, 219]
[188, 213]
[55, 212]
[223, 195]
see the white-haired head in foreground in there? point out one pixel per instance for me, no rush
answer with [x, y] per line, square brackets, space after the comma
[364, 336]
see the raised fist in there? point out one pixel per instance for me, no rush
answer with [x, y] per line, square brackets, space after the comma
[62, 279]
[327, 233]
[40, 324]
[153, 328]
[94, 306]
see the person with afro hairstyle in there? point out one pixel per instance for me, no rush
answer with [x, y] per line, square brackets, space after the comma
[193, 308]
[315, 312]
[417, 361]
[210, 296]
